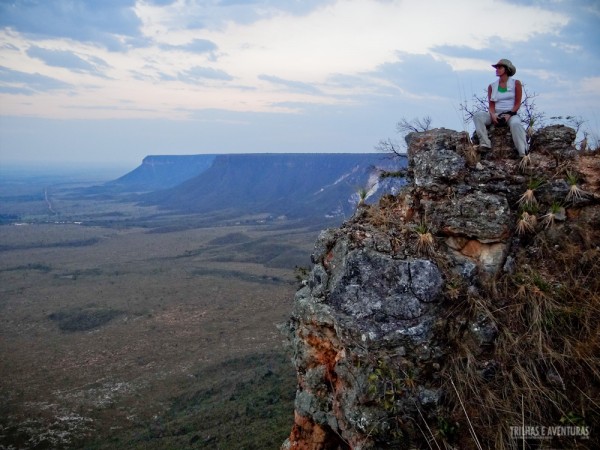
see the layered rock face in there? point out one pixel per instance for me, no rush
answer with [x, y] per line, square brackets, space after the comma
[403, 333]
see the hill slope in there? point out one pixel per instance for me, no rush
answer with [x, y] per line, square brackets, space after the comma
[294, 185]
[155, 173]
[162, 172]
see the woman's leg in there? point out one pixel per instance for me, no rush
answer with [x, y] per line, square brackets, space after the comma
[518, 134]
[482, 120]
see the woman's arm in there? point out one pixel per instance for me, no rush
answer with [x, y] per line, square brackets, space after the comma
[518, 96]
[492, 106]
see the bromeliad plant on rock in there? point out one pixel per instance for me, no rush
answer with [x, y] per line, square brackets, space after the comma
[528, 198]
[526, 222]
[575, 192]
[549, 219]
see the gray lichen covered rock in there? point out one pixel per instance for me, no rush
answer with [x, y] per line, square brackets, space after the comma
[554, 139]
[397, 302]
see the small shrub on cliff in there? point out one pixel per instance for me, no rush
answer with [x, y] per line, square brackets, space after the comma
[447, 429]
[403, 127]
[363, 193]
[393, 174]
[385, 387]
[301, 275]
[454, 288]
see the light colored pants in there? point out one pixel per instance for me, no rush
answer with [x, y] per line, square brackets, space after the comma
[482, 120]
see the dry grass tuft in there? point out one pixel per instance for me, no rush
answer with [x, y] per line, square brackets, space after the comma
[387, 215]
[425, 242]
[547, 353]
[471, 155]
[525, 163]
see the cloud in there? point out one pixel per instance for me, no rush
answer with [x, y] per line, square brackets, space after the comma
[106, 23]
[418, 75]
[325, 52]
[295, 7]
[294, 86]
[9, 46]
[339, 68]
[591, 85]
[68, 60]
[160, 2]
[198, 73]
[356, 36]
[461, 51]
[16, 82]
[200, 46]
[194, 46]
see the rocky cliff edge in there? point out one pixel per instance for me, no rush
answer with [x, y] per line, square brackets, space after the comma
[461, 313]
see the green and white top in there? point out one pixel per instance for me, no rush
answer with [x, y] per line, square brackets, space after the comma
[503, 98]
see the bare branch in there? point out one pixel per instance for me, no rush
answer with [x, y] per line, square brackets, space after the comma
[390, 146]
[406, 126]
[478, 103]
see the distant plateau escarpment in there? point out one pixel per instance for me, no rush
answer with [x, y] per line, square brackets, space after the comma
[299, 185]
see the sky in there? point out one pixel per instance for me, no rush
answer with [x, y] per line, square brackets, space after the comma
[109, 82]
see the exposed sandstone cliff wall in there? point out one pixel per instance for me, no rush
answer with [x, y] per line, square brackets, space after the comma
[464, 306]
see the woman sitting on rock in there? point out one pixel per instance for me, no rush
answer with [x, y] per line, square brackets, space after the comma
[504, 98]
